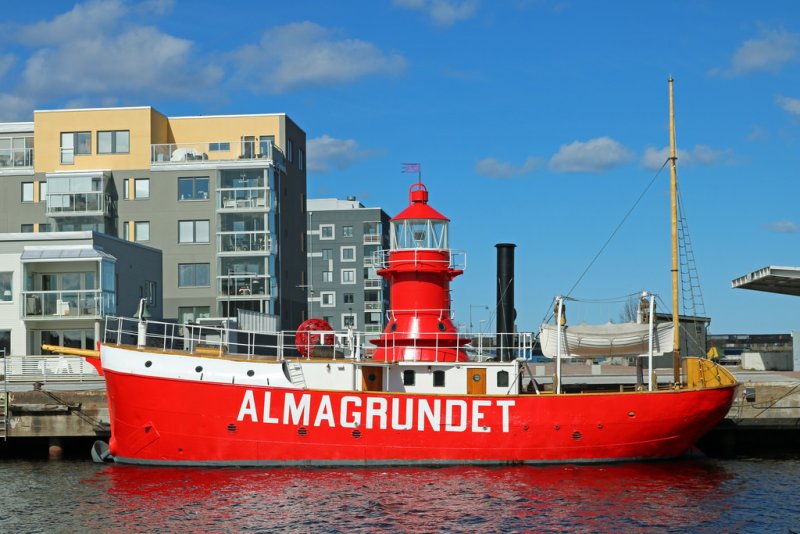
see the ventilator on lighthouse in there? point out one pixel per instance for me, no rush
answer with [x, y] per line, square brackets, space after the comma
[419, 267]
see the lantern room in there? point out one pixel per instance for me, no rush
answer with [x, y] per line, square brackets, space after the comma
[419, 226]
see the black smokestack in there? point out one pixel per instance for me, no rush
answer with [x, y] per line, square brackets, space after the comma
[505, 300]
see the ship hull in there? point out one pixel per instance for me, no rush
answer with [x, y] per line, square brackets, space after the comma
[173, 421]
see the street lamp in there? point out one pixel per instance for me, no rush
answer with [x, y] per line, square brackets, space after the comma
[484, 306]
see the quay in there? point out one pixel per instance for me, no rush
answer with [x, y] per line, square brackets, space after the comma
[50, 403]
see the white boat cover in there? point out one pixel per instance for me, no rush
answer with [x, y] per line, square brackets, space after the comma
[605, 340]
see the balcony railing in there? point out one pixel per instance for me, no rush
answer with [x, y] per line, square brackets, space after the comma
[373, 306]
[238, 285]
[254, 241]
[16, 158]
[94, 203]
[371, 283]
[372, 239]
[86, 304]
[242, 198]
[214, 152]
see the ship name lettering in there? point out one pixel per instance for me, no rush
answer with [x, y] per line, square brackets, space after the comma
[412, 413]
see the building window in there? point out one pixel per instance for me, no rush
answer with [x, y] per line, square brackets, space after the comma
[290, 150]
[193, 188]
[6, 287]
[219, 147]
[327, 276]
[327, 299]
[347, 231]
[27, 191]
[75, 143]
[348, 253]
[193, 231]
[42, 191]
[189, 314]
[114, 142]
[502, 379]
[142, 231]
[348, 320]
[348, 276]
[301, 158]
[194, 275]
[5, 342]
[26, 228]
[326, 231]
[348, 298]
[44, 227]
[141, 188]
[327, 254]
[438, 379]
[265, 144]
[408, 377]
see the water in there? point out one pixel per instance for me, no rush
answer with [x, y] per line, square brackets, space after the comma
[684, 496]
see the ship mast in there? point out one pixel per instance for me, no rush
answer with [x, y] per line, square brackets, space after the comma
[673, 190]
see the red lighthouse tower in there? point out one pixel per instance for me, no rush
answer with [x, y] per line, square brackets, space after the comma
[419, 268]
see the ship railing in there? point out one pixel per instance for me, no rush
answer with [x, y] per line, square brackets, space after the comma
[216, 338]
[456, 259]
[49, 368]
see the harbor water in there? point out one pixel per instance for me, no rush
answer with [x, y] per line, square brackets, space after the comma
[695, 495]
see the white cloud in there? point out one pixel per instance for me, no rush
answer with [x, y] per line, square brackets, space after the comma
[442, 12]
[596, 155]
[6, 62]
[789, 105]
[327, 153]
[783, 227]
[767, 54]
[81, 21]
[493, 168]
[306, 54]
[15, 108]
[654, 158]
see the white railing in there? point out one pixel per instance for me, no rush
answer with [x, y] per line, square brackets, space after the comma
[252, 241]
[16, 158]
[455, 259]
[214, 151]
[373, 283]
[373, 306]
[372, 239]
[237, 198]
[87, 203]
[66, 304]
[49, 369]
[243, 285]
[220, 340]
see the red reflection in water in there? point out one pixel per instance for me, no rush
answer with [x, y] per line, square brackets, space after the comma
[675, 495]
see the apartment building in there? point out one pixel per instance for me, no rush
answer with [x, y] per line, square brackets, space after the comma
[57, 288]
[344, 241]
[223, 197]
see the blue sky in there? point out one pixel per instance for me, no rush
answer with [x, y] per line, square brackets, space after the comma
[536, 122]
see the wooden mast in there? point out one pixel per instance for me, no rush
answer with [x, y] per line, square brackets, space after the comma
[673, 190]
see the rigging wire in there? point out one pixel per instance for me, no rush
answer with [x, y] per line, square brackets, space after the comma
[549, 312]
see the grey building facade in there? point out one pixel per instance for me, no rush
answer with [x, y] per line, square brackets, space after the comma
[344, 241]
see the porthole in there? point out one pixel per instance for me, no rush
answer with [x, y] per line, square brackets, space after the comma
[441, 326]
[576, 436]
[148, 363]
[199, 369]
[393, 327]
[356, 434]
[371, 377]
[302, 431]
[231, 428]
[250, 372]
[476, 377]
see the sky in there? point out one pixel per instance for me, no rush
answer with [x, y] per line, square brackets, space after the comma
[536, 122]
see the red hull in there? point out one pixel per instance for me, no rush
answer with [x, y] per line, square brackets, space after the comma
[171, 421]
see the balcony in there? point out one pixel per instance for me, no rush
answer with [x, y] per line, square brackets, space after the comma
[242, 198]
[257, 241]
[373, 306]
[88, 304]
[242, 285]
[95, 203]
[371, 283]
[15, 158]
[372, 239]
[214, 152]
